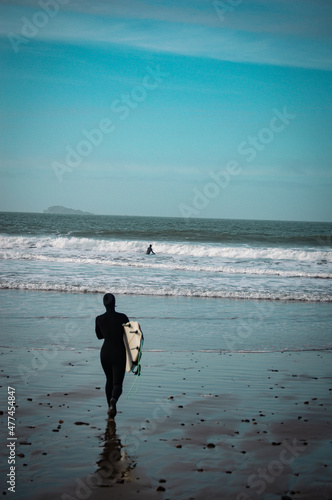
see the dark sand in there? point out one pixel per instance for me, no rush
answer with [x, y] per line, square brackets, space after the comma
[217, 426]
[202, 425]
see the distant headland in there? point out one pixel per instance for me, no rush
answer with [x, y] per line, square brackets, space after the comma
[58, 209]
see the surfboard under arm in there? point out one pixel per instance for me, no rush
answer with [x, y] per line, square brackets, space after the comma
[133, 340]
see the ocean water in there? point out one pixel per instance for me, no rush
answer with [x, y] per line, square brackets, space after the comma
[234, 259]
[223, 305]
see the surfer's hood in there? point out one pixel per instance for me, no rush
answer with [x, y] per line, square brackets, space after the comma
[109, 300]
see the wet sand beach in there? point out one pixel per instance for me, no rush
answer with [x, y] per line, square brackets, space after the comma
[202, 424]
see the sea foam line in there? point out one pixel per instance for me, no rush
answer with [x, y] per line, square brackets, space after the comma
[171, 266]
[163, 291]
[83, 246]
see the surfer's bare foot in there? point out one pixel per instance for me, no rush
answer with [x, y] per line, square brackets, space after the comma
[112, 409]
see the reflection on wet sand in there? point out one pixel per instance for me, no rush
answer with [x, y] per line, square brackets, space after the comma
[113, 465]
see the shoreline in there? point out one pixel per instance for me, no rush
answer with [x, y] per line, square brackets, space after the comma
[188, 431]
[168, 295]
[203, 424]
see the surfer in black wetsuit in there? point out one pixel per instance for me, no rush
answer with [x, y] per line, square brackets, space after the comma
[113, 353]
[149, 250]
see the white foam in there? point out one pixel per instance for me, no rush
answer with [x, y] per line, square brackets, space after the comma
[167, 291]
[314, 263]
[83, 246]
[74, 264]
[173, 266]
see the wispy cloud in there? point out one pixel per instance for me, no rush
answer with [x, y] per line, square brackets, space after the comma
[270, 32]
[309, 18]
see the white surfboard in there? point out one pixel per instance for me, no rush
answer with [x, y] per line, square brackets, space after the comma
[133, 341]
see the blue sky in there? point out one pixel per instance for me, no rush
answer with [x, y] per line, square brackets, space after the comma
[141, 107]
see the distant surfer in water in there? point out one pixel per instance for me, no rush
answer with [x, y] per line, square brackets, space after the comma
[113, 352]
[149, 250]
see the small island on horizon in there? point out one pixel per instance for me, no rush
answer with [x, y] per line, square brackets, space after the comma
[58, 209]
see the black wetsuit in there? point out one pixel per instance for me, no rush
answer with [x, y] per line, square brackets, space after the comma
[113, 352]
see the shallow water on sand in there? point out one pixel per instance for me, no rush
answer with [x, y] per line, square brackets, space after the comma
[53, 321]
[204, 361]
